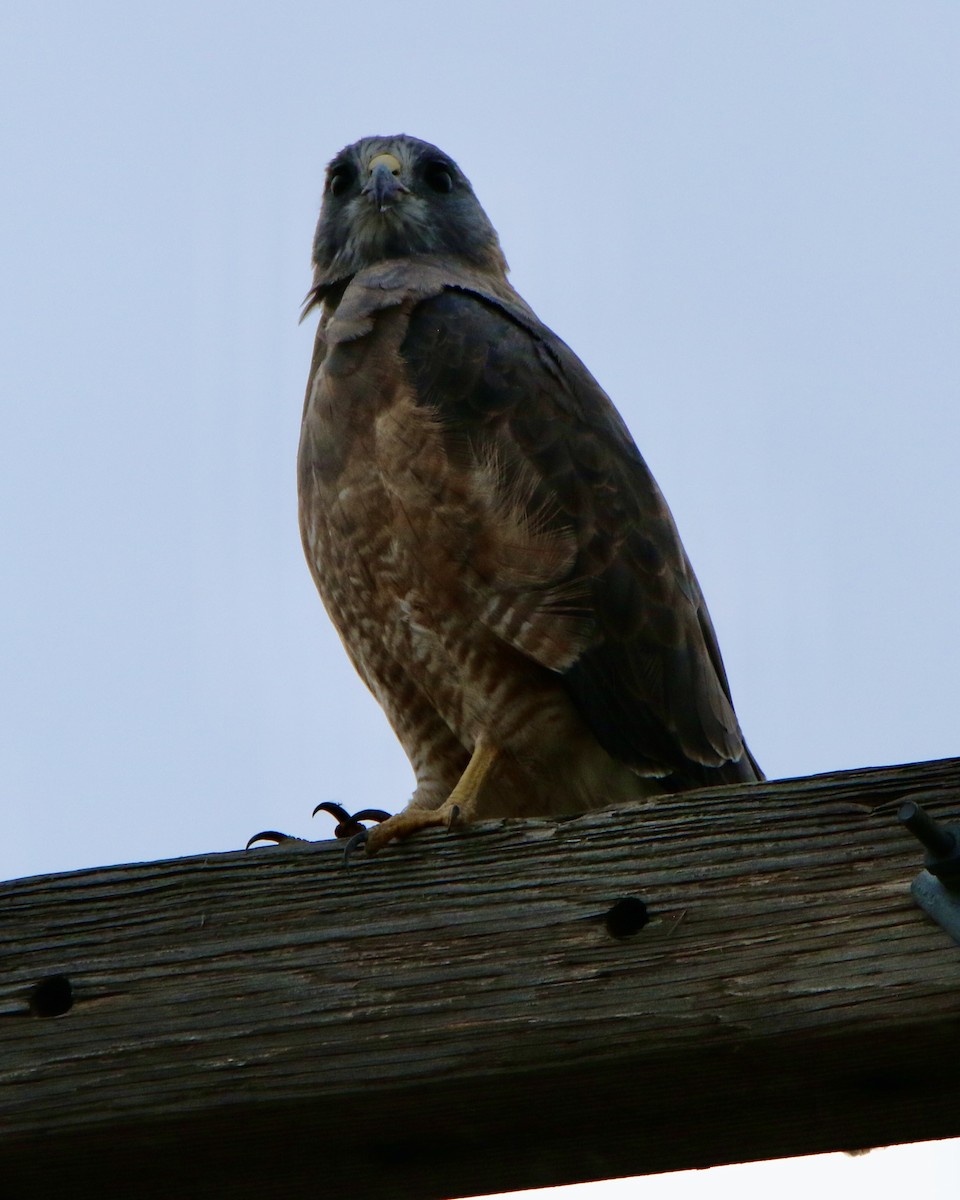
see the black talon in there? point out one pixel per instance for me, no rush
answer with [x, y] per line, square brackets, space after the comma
[349, 826]
[272, 835]
[358, 839]
[335, 810]
[346, 825]
[371, 814]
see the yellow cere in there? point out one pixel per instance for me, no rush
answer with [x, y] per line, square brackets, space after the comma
[387, 160]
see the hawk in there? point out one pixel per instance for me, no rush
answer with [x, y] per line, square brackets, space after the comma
[498, 560]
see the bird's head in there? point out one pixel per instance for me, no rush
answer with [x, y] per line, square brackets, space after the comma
[391, 197]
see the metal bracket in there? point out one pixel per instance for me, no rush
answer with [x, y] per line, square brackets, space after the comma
[937, 888]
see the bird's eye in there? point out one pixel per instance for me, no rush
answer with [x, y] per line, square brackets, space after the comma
[438, 177]
[341, 179]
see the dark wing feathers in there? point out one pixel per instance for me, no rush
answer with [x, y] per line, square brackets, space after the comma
[648, 679]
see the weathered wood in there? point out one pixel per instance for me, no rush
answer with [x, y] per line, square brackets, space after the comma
[454, 1017]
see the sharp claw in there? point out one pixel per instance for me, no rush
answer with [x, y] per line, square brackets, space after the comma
[371, 814]
[271, 835]
[347, 825]
[335, 810]
[454, 819]
[358, 839]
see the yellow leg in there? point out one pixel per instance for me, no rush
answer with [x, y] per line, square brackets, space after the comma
[459, 807]
[465, 795]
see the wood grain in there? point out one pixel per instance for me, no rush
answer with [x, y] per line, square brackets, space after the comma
[455, 1016]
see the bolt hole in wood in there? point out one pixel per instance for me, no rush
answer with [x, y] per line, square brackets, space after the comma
[627, 917]
[51, 997]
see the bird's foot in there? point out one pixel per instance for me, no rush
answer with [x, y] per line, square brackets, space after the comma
[459, 807]
[402, 825]
[348, 824]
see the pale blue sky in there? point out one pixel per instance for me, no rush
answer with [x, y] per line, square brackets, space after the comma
[741, 215]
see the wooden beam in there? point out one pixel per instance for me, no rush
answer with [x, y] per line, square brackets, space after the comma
[463, 1014]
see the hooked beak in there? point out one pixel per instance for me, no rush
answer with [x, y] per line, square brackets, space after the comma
[384, 184]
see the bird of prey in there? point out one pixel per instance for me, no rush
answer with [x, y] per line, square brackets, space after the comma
[498, 560]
